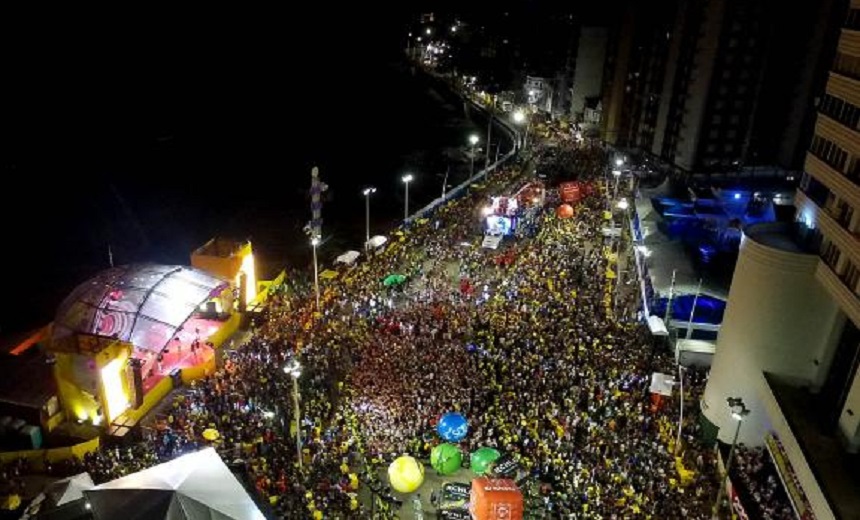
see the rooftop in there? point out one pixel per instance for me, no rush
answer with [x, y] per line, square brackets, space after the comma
[221, 247]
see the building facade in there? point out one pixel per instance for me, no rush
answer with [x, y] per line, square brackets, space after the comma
[789, 347]
[717, 85]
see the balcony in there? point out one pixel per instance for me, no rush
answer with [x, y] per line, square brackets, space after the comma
[844, 137]
[835, 180]
[844, 87]
[844, 297]
[849, 42]
[825, 221]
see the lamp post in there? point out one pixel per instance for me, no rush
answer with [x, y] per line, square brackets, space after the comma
[621, 205]
[473, 140]
[315, 241]
[520, 117]
[406, 180]
[294, 370]
[681, 409]
[367, 192]
[739, 412]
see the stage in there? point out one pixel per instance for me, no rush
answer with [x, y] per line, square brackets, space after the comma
[179, 353]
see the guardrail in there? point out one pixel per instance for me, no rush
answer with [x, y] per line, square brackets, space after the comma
[513, 134]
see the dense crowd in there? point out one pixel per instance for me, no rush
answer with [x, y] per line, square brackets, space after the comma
[755, 478]
[531, 350]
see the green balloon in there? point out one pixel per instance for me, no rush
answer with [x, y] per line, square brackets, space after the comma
[446, 458]
[482, 458]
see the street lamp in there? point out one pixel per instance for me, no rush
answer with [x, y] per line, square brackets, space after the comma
[406, 180]
[619, 161]
[473, 140]
[681, 410]
[622, 204]
[367, 192]
[521, 117]
[294, 370]
[739, 411]
[315, 241]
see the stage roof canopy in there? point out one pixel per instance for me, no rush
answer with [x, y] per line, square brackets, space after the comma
[144, 304]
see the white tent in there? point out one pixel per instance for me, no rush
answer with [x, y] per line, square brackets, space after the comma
[347, 258]
[69, 489]
[657, 326]
[661, 383]
[197, 486]
[376, 241]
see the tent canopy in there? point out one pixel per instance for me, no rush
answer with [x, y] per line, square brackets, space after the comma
[197, 486]
[376, 241]
[347, 258]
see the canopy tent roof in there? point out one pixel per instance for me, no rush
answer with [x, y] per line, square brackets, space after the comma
[376, 241]
[197, 486]
[69, 489]
[144, 304]
[347, 258]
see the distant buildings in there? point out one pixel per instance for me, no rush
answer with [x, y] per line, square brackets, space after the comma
[587, 72]
[716, 86]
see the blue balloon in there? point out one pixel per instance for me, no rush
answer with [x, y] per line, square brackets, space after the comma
[452, 427]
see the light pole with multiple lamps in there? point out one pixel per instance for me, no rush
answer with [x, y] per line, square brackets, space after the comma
[473, 140]
[739, 412]
[294, 370]
[315, 241]
[520, 117]
[406, 180]
[367, 192]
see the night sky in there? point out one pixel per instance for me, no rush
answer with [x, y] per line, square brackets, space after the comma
[154, 136]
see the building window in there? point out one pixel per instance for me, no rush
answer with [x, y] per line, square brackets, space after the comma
[840, 110]
[847, 65]
[829, 152]
[851, 276]
[853, 20]
[830, 254]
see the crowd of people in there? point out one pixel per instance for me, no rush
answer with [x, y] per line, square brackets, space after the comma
[531, 350]
[754, 476]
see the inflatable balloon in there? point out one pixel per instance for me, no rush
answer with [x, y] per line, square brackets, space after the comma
[452, 427]
[446, 458]
[406, 474]
[482, 458]
[565, 211]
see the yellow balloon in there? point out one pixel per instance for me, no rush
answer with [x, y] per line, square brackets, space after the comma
[406, 474]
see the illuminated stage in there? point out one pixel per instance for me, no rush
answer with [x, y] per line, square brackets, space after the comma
[179, 353]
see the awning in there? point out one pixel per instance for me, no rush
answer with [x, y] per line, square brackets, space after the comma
[347, 258]
[657, 326]
[661, 383]
[376, 241]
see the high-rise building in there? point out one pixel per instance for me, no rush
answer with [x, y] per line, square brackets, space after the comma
[716, 85]
[789, 347]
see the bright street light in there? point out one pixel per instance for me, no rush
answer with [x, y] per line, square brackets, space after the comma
[473, 140]
[294, 370]
[429, 31]
[406, 180]
[453, 28]
[622, 204]
[315, 241]
[519, 117]
[738, 411]
[367, 192]
[619, 161]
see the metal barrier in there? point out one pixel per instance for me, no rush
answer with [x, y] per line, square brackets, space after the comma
[457, 190]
